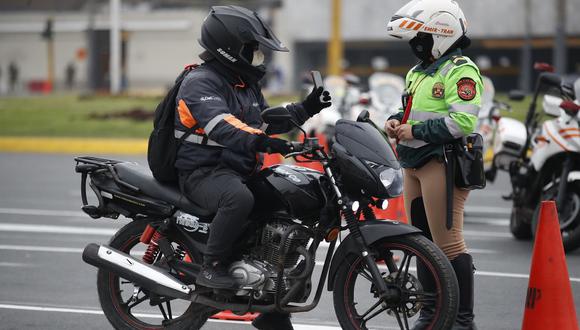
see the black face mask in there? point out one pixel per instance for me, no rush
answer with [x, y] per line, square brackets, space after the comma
[422, 45]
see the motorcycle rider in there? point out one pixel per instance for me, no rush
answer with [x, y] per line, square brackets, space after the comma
[446, 92]
[222, 101]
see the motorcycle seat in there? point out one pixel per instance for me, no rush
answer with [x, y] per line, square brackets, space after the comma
[142, 178]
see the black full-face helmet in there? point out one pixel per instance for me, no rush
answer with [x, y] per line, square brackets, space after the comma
[233, 34]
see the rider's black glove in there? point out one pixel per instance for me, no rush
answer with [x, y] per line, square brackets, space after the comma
[313, 104]
[270, 145]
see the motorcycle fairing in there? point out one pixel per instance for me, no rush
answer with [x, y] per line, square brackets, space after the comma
[557, 136]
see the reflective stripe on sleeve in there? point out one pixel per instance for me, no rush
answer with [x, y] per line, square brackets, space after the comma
[414, 143]
[453, 128]
[472, 109]
[232, 120]
[214, 121]
[197, 139]
[423, 115]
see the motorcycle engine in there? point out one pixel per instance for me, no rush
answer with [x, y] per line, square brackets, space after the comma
[259, 271]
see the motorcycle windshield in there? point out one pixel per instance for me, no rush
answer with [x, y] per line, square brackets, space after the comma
[365, 142]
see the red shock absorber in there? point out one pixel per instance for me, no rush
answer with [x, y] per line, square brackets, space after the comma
[153, 248]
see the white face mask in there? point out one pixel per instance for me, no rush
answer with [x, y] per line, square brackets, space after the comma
[258, 58]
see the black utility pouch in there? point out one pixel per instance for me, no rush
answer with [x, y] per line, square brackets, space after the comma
[468, 157]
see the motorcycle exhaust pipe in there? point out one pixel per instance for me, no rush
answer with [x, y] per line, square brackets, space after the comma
[149, 277]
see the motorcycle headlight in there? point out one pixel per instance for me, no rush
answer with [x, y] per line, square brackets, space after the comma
[392, 179]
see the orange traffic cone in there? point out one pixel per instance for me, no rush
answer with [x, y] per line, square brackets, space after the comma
[549, 303]
[228, 315]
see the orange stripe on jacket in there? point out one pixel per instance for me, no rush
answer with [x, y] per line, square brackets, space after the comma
[186, 118]
[241, 125]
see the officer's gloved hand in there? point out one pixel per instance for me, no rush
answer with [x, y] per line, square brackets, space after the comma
[313, 103]
[270, 145]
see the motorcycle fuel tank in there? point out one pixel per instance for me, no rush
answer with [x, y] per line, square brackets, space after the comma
[297, 187]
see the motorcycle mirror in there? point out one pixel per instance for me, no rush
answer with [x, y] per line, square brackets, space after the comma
[276, 115]
[363, 117]
[570, 107]
[543, 67]
[551, 79]
[516, 95]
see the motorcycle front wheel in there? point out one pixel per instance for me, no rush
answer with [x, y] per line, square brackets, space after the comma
[568, 214]
[128, 306]
[356, 300]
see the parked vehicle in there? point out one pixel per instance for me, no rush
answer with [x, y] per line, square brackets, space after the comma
[383, 98]
[543, 160]
[150, 264]
[488, 117]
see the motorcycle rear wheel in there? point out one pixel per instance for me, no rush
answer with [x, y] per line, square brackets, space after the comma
[126, 306]
[353, 290]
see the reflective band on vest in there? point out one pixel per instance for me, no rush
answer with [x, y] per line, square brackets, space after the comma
[472, 109]
[197, 139]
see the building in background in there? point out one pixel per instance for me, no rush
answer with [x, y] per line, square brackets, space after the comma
[160, 37]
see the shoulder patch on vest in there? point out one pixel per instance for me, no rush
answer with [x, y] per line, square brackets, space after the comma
[466, 89]
[458, 60]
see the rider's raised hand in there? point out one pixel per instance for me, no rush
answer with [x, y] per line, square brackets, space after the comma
[314, 103]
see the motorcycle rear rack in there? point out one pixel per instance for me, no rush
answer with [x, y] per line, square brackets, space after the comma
[87, 165]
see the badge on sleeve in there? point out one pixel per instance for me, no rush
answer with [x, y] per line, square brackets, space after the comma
[438, 90]
[466, 89]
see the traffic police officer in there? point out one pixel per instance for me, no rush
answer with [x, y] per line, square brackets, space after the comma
[222, 101]
[443, 94]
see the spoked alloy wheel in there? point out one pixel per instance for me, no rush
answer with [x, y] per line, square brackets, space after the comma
[127, 306]
[356, 300]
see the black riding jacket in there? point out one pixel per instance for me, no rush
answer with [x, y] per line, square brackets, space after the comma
[226, 114]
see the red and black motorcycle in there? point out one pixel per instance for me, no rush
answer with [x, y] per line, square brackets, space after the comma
[147, 272]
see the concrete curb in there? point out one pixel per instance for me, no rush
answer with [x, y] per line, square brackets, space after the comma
[63, 145]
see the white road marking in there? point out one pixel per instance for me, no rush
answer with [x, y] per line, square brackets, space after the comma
[16, 227]
[41, 248]
[52, 213]
[14, 264]
[493, 234]
[99, 312]
[487, 221]
[487, 210]
[57, 249]
[477, 272]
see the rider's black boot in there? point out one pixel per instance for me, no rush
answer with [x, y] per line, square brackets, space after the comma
[463, 266]
[214, 274]
[273, 321]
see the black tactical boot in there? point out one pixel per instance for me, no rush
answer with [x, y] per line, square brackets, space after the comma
[463, 266]
[214, 274]
[428, 309]
[273, 321]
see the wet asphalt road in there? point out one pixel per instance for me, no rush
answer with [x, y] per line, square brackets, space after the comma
[45, 285]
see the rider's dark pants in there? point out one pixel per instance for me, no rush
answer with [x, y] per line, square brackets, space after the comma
[220, 190]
